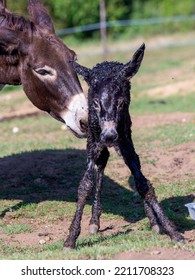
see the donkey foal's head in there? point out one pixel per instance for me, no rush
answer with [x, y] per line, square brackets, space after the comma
[109, 94]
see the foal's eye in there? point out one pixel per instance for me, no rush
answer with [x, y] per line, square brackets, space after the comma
[120, 103]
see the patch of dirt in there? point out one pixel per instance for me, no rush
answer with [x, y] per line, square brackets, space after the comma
[49, 233]
[46, 232]
[172, 163]
[17, 110]
[165, 164]
[163, 253]
[148, 121]
[27, 111]
[173, 88]
[41, 234]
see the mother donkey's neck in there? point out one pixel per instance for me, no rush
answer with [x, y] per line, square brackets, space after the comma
[9, 59]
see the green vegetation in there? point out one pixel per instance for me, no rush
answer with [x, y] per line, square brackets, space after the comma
[9, 88]
[15, 228]
[171, 135]
[41, 166]
[66, 13]
[134, 236]
[146, 105]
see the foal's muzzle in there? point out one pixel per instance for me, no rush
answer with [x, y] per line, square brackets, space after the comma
[109, 134]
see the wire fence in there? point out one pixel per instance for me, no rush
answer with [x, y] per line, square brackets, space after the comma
[130, 22]
[104, 50]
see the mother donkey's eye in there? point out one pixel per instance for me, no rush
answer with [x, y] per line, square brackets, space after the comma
[45, 72]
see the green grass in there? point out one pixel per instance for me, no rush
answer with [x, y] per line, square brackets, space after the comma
[8, 89]
[167, 135]
[93, 247]
[44, 201]
[146, 105]
[42, 165]
[15, 228]
[35, 133]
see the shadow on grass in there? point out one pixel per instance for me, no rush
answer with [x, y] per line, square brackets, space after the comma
[97, 239]
[175, 209]
[54, 175]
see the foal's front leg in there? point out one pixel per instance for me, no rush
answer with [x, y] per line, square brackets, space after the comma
[101, 162]
[144, 187]
[84, 190]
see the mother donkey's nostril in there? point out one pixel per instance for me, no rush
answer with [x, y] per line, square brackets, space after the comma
[83, 125]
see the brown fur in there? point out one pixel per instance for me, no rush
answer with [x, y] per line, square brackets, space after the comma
[32, 55]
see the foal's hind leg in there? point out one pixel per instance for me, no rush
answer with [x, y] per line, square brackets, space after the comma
[101, 162]
[153, 210]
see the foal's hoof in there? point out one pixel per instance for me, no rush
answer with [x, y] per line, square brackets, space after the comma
[68, 247]
[178, 237]
[93, 229]
[157, 228]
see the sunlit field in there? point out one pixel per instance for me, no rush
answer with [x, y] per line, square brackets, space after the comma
[42, 163]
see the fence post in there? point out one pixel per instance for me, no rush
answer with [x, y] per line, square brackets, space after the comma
[103, 28]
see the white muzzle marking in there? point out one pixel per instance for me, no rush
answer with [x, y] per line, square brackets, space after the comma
[77, 111]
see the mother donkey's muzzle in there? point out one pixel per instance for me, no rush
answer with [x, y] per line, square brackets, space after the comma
[76, 115]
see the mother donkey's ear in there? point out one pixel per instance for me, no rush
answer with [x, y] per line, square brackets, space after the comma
[40, 17]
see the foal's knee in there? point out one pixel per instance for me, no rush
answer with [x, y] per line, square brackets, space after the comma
[84, 189]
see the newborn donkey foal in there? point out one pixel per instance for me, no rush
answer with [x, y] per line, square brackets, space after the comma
[109, 124]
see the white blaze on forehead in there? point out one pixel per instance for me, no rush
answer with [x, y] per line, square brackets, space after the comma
[108, 125]
[77, 110]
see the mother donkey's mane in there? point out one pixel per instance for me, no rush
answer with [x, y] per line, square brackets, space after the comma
[18, 23]
[15, 22]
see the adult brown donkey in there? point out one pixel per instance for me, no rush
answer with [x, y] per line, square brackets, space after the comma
[32, 55]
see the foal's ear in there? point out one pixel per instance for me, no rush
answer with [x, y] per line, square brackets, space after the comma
[40, 16]
[132, 67]
[83, 71]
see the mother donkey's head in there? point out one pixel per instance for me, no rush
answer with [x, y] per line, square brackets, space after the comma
[32, 55]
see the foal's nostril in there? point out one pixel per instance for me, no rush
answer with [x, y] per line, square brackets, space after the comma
[83, 125]
[109, 137]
